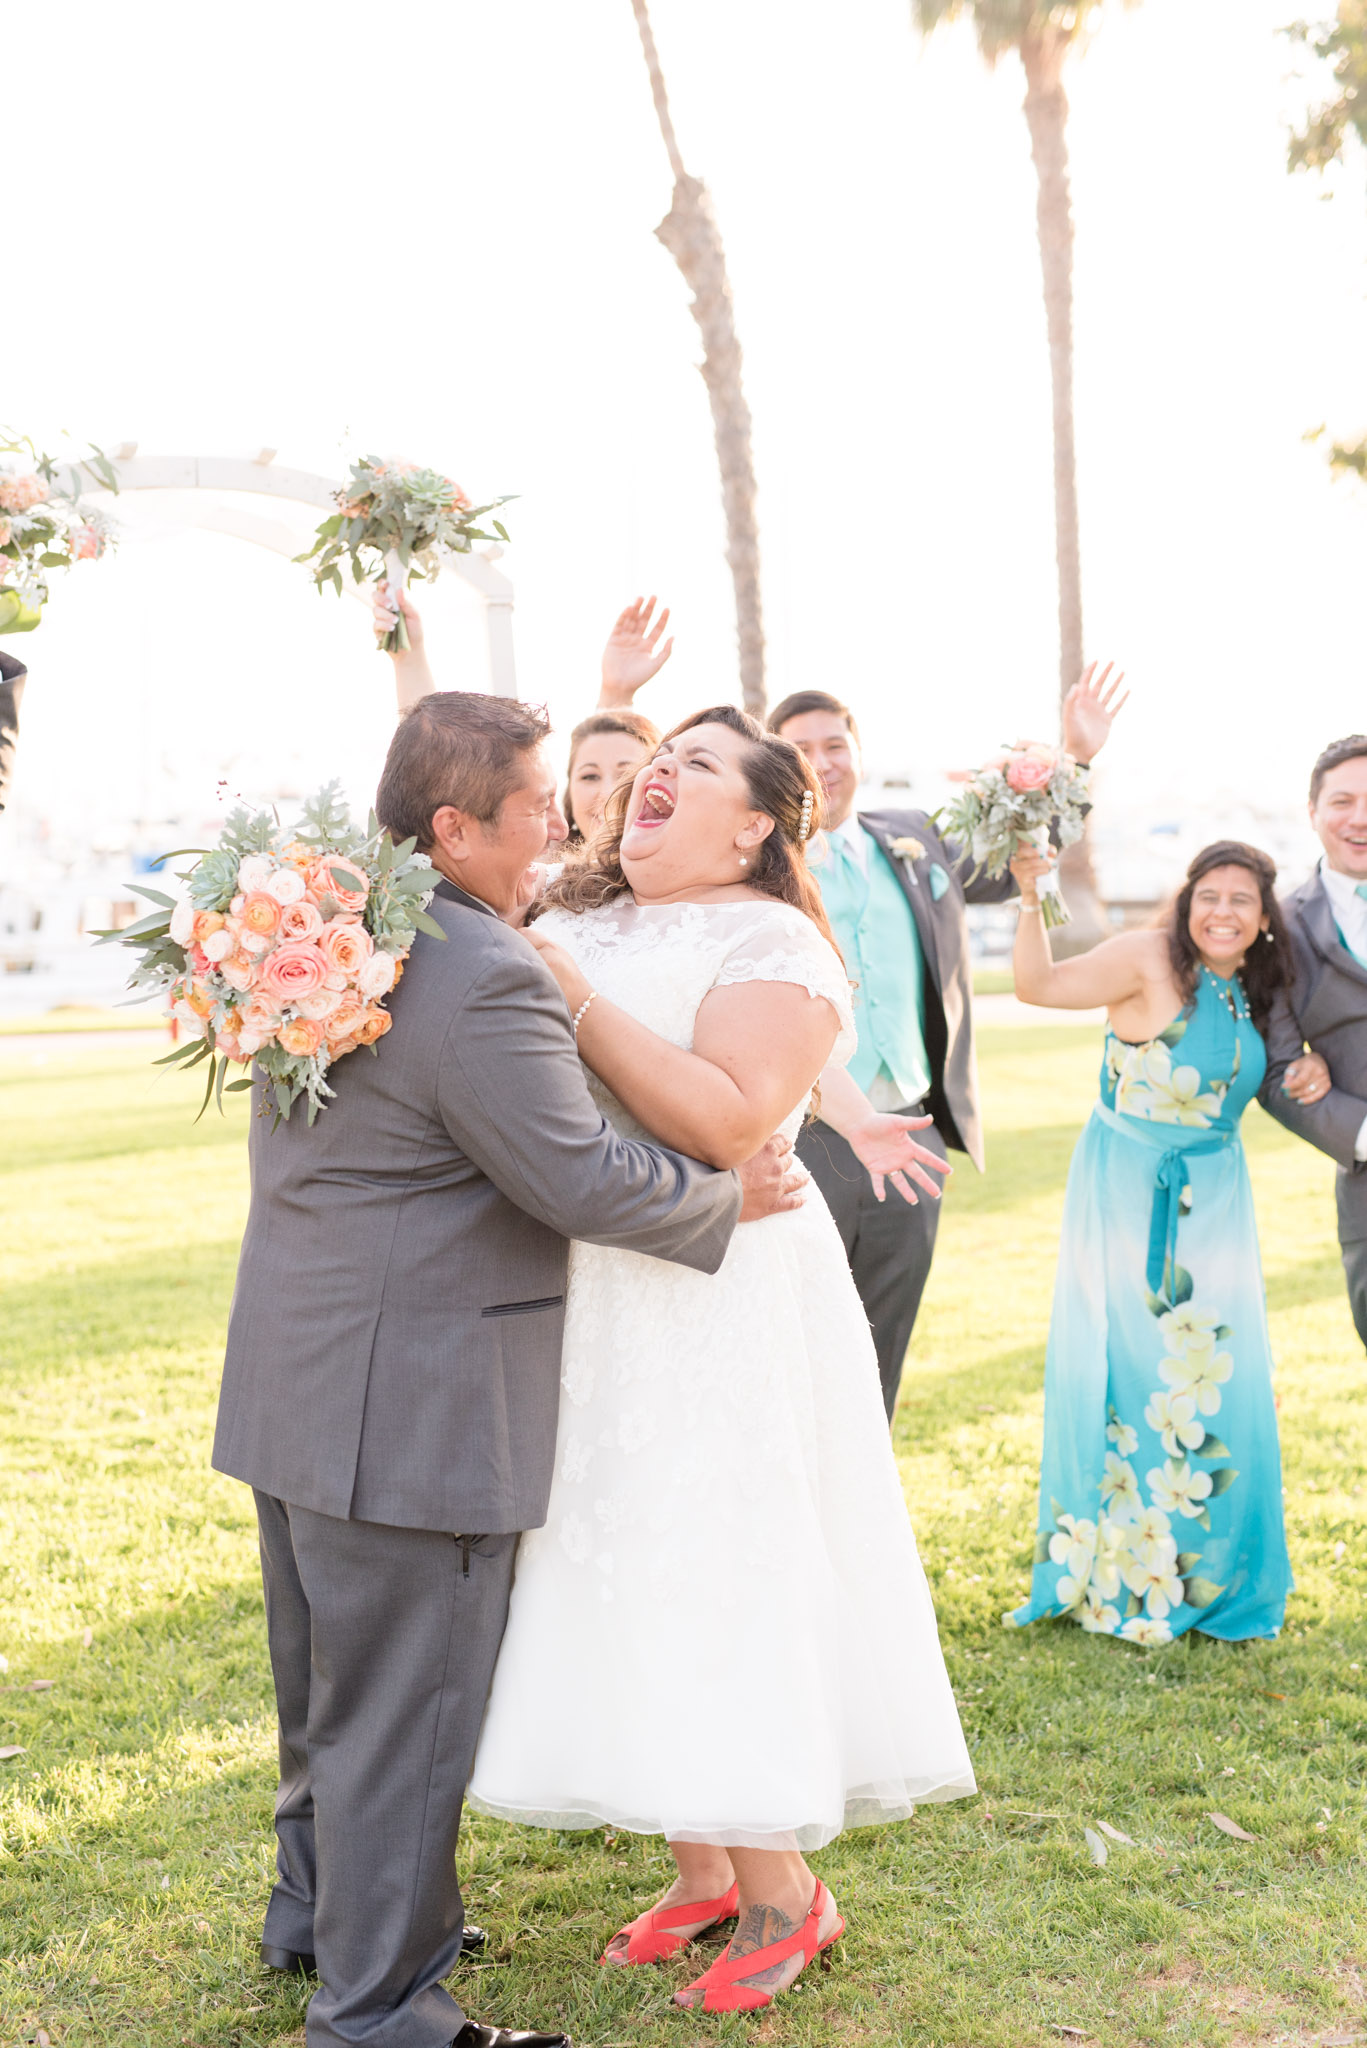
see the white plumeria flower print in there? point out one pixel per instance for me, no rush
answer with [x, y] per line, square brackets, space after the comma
[1074, 1547]
[1120, 1485]
[1125, 1439]
[1149, 1634]
[1150, 1524]
[1150, 1086]
[1201, 1374]
[1173, 1417]
[1187, 1326]
[1098, 1618]
[1152, 1574]
[1178, 1490]
[1112, 1555]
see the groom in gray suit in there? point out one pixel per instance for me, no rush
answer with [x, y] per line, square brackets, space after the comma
[1327, 922]
[393, 1375]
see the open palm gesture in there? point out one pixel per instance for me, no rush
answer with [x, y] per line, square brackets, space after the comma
[633, 653]
[1089, 710]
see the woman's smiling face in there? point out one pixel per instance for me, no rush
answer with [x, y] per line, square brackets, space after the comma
[690, 815]
[601, 761]
[1226, 916]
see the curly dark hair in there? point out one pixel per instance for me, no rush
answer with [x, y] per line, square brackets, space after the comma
[778, 777]
[1266, 967]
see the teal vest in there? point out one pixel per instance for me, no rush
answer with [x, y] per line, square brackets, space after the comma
[876, 932]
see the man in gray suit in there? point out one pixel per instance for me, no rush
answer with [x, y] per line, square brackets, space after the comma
[1327, 922]
[896, 894]
[392, 1378]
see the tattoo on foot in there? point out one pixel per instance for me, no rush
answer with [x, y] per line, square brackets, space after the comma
[761, 1926]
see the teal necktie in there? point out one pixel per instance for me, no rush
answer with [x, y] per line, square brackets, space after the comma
[1361, 890]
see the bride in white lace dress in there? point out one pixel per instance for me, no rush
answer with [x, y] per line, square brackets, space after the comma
[723, 1632]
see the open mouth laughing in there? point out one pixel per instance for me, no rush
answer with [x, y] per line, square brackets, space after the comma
[657, 807]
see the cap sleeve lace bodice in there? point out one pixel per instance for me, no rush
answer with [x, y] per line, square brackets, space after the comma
[658, 961]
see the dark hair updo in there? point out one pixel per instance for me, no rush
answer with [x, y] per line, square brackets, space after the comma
[1266, 965]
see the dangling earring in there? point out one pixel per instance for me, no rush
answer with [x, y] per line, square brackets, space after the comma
[744, 862]
[1270, 940]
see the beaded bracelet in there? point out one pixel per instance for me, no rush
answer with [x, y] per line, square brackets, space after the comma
[578, 1016]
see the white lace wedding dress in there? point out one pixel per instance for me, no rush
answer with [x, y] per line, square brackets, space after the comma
[723, 1632]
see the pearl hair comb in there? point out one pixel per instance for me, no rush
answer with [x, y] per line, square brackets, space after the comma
[805, 822]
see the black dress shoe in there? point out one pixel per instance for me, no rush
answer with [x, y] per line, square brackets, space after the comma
[472, 2035]
[296, 1963]
[290, 1962]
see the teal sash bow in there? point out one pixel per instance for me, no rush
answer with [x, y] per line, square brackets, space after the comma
[1171, 1182]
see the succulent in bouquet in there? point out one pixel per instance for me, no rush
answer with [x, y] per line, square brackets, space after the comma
[395, 520]
[1030, 794]
[45, 524]
[280, 945]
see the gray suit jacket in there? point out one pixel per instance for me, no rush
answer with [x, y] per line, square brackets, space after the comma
[943, 932]
[1329, 1002]
[394, 1344]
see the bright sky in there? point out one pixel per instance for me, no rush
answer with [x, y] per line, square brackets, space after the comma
[429, 232]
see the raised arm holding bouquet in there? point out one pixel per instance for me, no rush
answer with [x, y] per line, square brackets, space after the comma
[395, 520]
[1035, 795]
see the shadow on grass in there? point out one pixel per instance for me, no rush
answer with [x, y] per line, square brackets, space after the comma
[99, 1312]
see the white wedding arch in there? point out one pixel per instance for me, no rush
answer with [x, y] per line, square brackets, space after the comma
[257, 477]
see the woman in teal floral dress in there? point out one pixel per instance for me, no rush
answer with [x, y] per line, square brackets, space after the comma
[1161, 1488]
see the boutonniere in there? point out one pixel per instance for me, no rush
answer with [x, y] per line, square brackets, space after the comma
[907, 849]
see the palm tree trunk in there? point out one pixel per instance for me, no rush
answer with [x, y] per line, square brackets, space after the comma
[1046, 112]
[690, 233]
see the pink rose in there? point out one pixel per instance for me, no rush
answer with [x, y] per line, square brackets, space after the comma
[230, 1046]
[260, 913]
[345, 947]
[300, 921]
[218, 946]
[237, 972]
[327, 878]
[1027, 772]
[87, 544]
[291, 972]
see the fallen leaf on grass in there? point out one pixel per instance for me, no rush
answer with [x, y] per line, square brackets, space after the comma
[1231, 1827]
[15, 1749]
[34, 1685]
[1271, 1695]
[1098, 1852]
[1115, 1834]
[1073, 2033]
[42, 2038]
[87, 1638]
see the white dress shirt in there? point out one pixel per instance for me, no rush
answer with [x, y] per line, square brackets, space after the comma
[1350, 915]
[1350, 909]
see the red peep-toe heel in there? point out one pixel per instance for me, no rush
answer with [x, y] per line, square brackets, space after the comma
[653, 1935]
[721, 1986]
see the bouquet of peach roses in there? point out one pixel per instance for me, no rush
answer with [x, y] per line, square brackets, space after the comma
[280, 946]
[1029, 794]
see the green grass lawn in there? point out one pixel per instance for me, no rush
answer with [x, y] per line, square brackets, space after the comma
[134, 1825]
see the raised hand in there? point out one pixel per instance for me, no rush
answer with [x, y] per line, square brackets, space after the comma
[884, 1146]
[1029, 866]
[1090, 709]
[385, 617]
[633, 653]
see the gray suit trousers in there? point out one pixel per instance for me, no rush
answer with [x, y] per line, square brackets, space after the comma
[889, 1244]
[1352, 1207]
[382, 1644]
